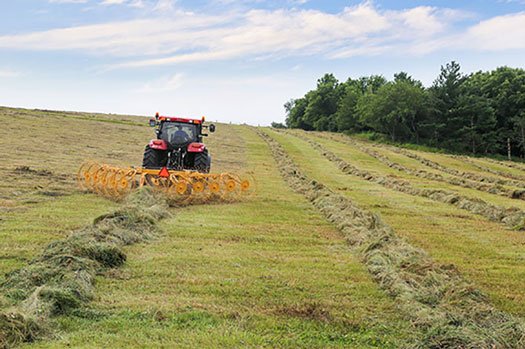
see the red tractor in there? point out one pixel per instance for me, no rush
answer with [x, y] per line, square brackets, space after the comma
[178, 145]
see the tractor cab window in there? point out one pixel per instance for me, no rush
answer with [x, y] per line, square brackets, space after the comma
[178, 132]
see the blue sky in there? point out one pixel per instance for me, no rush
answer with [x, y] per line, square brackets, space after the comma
[236, 60]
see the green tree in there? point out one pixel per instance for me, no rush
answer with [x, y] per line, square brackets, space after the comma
[445, 94]
[395, 109]
[477, 132]
[346, 115]
[505, 89]
[404, 77]
[277, 125]
[323, 103]
[295, 109]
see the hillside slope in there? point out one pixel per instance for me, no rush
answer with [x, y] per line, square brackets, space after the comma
[269, 271]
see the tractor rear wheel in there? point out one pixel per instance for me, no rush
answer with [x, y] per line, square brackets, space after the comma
[202, 162]
[154, 158]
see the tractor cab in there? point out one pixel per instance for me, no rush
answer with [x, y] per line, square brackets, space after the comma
[178, 145]
[179, 134]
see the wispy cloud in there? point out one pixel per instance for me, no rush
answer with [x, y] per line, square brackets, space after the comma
[499, 33]
[68, 1]
[132, 3]
[261, 34]
[9, 73]
[165, 5]
[113, 2]
[521, 2]
[168, 83]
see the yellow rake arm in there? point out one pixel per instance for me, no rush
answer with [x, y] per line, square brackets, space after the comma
[181, 187]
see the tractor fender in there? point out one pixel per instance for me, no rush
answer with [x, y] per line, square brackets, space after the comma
[196, 147]
[158, 144]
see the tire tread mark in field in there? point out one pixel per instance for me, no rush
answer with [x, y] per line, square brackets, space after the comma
[511, 217]
[458, 181]
[447, 310]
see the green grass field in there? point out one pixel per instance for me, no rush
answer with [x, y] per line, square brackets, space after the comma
[270, 271]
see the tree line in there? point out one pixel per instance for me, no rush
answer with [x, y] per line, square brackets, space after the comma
[479, 113]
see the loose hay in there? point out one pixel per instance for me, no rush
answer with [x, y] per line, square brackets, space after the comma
[16, 327]
[484, 186]
[447, 310]
[454, 172]
[511, 217]
[467, 160]
[518, 166]
[61, 279]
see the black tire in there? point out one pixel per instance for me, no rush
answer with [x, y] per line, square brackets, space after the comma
[154, 158]
[202, 162]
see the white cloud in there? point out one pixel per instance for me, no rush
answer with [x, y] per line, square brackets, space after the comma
[68, 1]
[128, 38]
[521, 2]
[165, 5]
[9, 73]
[174, 36]
[131, 3]
[136, 3]
[499, 33]
[169, 83]
[112, 2]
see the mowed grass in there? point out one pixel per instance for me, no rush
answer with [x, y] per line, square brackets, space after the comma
[43, 202]
[369, 163]
[263, 272]
[485, 252]
[497, 167]
[40, 200]
[53, 146]
[24, 230]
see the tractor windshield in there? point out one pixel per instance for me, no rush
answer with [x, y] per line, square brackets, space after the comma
[179, 133]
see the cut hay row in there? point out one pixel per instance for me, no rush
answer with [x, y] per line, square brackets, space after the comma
[469, 161]
[512, 217]
[436, 166]
[513, 165]
[448, 311]
[495, 189]
[61, 279]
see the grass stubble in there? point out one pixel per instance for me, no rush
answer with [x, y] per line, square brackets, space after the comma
[61, 279]
[449, 311]
[511, 217]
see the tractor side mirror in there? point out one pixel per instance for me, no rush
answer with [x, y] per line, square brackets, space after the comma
[212, 128]
[153, 122]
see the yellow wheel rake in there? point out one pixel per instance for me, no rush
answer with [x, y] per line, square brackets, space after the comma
[181, 187]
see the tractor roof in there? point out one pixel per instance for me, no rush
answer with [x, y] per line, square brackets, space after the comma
[175, 119]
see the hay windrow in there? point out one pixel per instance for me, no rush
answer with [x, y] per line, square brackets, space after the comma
[61, 278]
[488, 169]
[513, 217]
[447, 310]
[496, 189]
[515, 165]
[451, 171]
